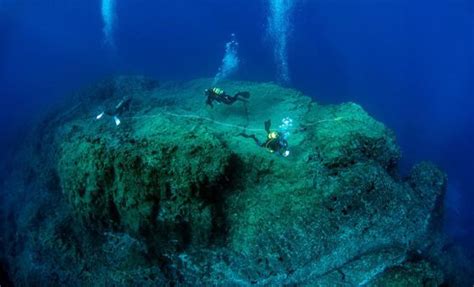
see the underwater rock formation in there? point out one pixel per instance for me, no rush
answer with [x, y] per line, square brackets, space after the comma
[175, 195]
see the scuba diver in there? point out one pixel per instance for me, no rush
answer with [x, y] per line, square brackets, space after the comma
[218, 95]
[275, 142]
[117, 110]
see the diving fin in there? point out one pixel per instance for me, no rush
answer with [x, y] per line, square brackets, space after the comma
[117, 120]
[268, 123]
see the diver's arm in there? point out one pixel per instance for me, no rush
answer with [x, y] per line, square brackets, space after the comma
[209, 102]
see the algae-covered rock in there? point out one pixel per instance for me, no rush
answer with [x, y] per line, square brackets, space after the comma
[162, 180]
[410, 274]
[346, 135]
[186, 199]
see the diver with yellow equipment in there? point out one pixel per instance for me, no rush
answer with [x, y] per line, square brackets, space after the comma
[275, 141]
[219, 96]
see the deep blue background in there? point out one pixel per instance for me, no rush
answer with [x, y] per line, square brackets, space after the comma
[408, 62]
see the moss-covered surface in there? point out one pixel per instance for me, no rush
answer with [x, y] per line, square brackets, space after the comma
[410, 274]
[174, 195]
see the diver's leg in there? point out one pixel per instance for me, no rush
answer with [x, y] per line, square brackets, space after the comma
[244, 95]
[241, 96]
[105, 113]
[228, 100]
[252, 137]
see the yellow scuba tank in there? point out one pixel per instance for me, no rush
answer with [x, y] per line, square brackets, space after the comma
[272, 135]
[217, 91]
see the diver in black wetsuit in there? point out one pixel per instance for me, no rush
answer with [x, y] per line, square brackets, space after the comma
[275, 141]
[117, 110]
[218, 95]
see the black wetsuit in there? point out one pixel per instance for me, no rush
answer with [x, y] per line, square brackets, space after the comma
[120, 108]
[225, 98]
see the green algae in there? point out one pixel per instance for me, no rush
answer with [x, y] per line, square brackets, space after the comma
[209, 207]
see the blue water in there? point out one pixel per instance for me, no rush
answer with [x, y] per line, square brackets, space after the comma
[409, 63]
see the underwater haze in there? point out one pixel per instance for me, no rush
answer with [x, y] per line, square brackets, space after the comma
[408, 64]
